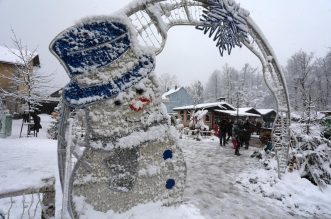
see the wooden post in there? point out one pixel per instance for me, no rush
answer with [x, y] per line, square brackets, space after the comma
[48, 201]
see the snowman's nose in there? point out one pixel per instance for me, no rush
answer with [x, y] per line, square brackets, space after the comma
[139, 103]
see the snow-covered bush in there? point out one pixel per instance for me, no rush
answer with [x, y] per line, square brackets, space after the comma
[326, 123]
[315, 161]
[52, 131]
[312, 151]
[196, 121]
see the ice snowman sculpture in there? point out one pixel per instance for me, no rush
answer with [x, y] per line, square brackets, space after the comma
[132, 156]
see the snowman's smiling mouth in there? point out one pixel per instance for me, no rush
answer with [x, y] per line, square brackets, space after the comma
[139, 103]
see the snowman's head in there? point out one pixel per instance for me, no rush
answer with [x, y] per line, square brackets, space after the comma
[132, 110]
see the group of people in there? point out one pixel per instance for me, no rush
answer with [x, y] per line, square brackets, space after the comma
[239, 132]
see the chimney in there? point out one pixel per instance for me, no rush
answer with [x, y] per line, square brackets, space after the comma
[221, 99]
[175, 87]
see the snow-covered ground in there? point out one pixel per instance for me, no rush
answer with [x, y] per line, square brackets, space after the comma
[219, 184]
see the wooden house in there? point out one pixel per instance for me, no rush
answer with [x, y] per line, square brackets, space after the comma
[175, 98]
[211, 119]
[216, 112]
[9, 64]
[268, 116]
[48, 104]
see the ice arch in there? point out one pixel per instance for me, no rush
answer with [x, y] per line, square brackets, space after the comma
[230, 26]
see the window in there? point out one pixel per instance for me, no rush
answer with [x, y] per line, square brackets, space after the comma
[207, 118]
[188, 116]
[181, 115]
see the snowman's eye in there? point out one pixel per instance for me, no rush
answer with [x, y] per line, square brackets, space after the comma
[117, 103]
[140, 91]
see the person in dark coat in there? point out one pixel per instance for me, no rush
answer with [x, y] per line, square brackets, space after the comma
[37, 125]
[240, 133]
[235, 138]
[258, 126]
[246, 133]
[229, 126]
[222, 129]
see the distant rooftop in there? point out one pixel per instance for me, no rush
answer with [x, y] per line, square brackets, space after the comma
[206, 105]
[171, 91]
[240, 113]
[8, 55]
[265, 111]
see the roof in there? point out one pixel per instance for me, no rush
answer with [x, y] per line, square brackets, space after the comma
[234, 113]
[171, 91]
[247, 109]
[7, 55]
[265, 111]
[206, 105]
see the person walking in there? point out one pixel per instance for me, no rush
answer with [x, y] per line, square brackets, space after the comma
[240, 133]
[37, 125]
[246, 133]
[258, 126]
[222, 128]
[235, 138]
[229, 127]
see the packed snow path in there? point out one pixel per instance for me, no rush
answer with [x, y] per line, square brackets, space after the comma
[212, 184]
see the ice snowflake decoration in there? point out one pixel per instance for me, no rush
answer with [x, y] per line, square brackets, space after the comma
[225, 20]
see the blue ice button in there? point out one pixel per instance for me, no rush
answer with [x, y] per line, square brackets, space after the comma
[167, 154]
[170, 183]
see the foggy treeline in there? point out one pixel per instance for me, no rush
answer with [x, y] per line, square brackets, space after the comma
[308, 80]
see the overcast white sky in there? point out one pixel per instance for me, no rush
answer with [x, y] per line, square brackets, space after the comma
[289, 25]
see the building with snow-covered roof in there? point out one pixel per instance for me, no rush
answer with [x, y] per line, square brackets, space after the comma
[216, 112]
[268, 116]
[10, 61]
[211, 119]
[176, 97]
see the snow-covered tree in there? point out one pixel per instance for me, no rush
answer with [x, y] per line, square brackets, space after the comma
[245, 86]
[167, 81]
[322, 80]
[298, 72]
[213, 87]
[53, 129]
[229, 82]
[312, 152]
[196, 123]
[196, 90]
[27, 84]
[2, 107]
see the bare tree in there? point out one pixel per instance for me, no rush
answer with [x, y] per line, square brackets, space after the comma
[196, 90]
[213, 87]
[229, 83]
[245, 85]
[299, 69]
[27, 84]
[167, 82]
[322, 79]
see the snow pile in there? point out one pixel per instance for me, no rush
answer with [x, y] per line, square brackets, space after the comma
[293, 193]
[143, 211]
